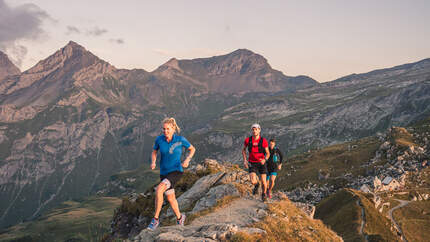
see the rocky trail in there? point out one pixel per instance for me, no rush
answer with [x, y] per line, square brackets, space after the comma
[219, 206]
[219, 225]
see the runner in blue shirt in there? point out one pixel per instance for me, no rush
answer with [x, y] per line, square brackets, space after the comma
[171, 169]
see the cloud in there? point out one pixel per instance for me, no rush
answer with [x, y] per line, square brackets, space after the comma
[18, 52]
[23, 22]
[119, 41]
[96, 31]
[72, 30]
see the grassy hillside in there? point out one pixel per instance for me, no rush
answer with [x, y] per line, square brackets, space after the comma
[84, 220]
[336, 160]
[414, 220]
[288, 223]
[343, 214]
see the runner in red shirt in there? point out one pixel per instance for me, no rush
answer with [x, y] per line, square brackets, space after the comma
[258, 150]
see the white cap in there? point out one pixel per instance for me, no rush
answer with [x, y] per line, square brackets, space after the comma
[255, 126]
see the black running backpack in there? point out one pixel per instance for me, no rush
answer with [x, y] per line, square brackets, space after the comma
[260, 145]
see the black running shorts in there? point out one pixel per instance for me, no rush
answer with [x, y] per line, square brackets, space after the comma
[171, 178]
[257, 167]
[272, 167]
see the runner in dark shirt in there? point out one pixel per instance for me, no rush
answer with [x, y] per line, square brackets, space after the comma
[274, 164]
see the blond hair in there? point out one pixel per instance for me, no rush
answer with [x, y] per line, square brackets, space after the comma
[172, 122]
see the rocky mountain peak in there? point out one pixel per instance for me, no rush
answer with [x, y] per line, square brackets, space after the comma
[173, 63]
[240, 61]
[237, 72]
[243, 52]
[7, 67]
[73, 44]
[72, 56]
[54, 76]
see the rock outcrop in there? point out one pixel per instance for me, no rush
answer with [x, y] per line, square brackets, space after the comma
[218, 207]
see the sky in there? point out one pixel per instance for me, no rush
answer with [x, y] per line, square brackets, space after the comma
[324, 39]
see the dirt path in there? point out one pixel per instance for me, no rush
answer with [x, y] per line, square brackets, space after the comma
[363, 220]
[390, 214]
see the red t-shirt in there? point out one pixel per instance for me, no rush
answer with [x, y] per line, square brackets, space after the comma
[254, 156]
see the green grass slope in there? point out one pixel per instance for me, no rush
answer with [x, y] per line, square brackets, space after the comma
[72, 221]
[336, 160]
[343, 215]
[414, 219]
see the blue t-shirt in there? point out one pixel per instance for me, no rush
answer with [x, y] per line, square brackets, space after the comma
[171, 153]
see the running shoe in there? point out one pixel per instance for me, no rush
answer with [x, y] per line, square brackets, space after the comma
[263, 197]
[269, 194]
[181, 220]
[255, 190]
[154, 224]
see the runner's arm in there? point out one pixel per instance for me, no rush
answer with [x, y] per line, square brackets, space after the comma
[191, 151]
[153, 158]
[280, 159]
[267, 153]
[245, 161]
[281, 156]
[267, 156]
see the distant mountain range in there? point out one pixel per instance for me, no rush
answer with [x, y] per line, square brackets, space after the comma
[77, 72]
[71, 121]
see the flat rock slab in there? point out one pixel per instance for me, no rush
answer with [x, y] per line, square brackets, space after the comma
[214, 195]
[241, 212]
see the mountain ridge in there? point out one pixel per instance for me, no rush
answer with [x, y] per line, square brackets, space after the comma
[239, 71]
[424, 63]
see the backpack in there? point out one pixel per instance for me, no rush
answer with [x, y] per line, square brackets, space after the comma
[260, 145]
[275, 157]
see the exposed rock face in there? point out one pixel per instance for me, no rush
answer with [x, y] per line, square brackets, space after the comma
[54, 160]
[7, 68]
